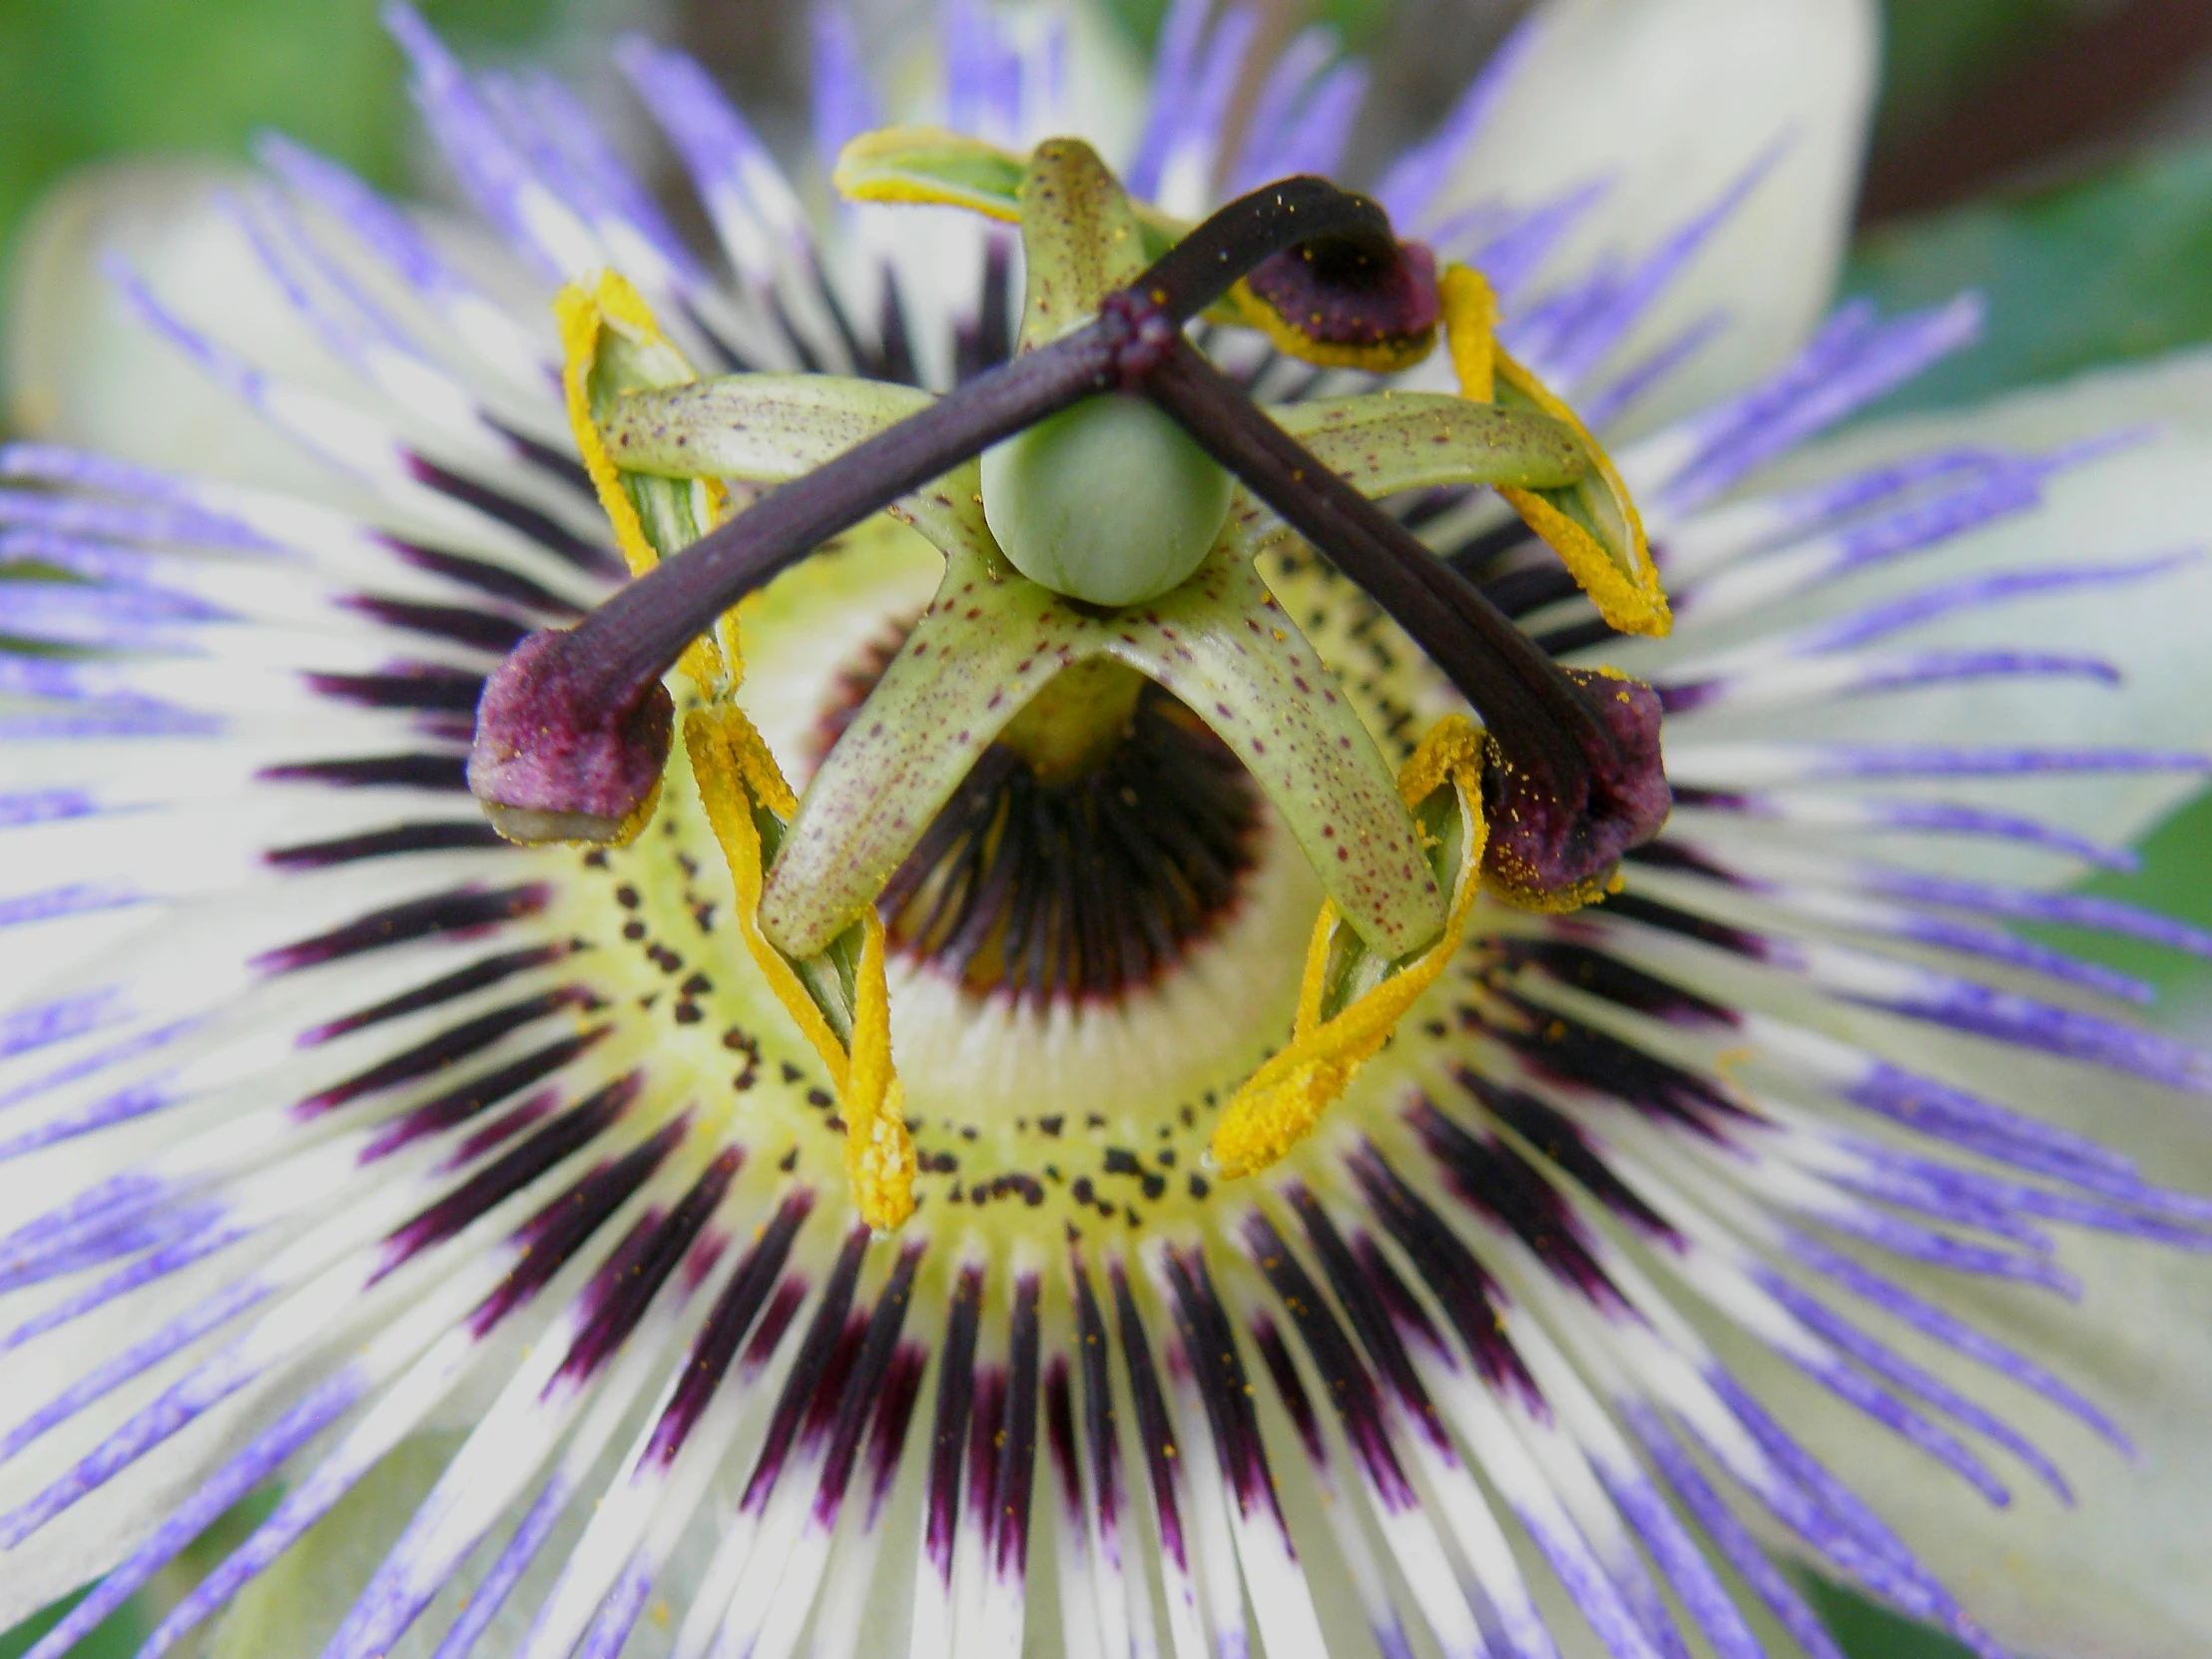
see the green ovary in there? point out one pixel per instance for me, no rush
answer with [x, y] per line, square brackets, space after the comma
[1108, 502]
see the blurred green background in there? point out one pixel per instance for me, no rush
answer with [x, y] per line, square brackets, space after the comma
[2092, 245]
[85, 79]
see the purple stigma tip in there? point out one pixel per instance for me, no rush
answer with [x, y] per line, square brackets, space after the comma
[1545, 843]
[1341, 295]
[549, 764]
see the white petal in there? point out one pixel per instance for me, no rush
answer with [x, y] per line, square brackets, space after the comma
[2148, 497]
[1668, 102]
[1101, 93]
[296, 1605]
[1105, 90]
[2127, 1572]
[83, 369]
[104, 1528]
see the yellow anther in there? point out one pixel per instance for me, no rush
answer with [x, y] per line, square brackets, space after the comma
[929, 166]
[584, 317]
[738, 777]
[1280, 1104]
[1471, 326]
[1629, 604]
[1622, 582]
[878, 1152]
[581, 318]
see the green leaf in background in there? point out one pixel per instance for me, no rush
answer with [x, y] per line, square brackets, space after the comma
[1934, 51]
[125, 1629]
[2095, 271]
[1358, 23]
[2172, 882]
[1866, 1631]
[85, 79]
[297, 1605]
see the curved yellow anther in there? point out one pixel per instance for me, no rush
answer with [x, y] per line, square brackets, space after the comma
[1623, 584]
[737, 777]
[1279, 1105]
[584, 315]
[929, 166]
[878, 1150]
[1469, 309]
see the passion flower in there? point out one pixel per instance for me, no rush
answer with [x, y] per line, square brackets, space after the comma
[1215, 1114]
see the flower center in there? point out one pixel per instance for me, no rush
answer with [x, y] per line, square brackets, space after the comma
[1104, 838]
[1069, 1083]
